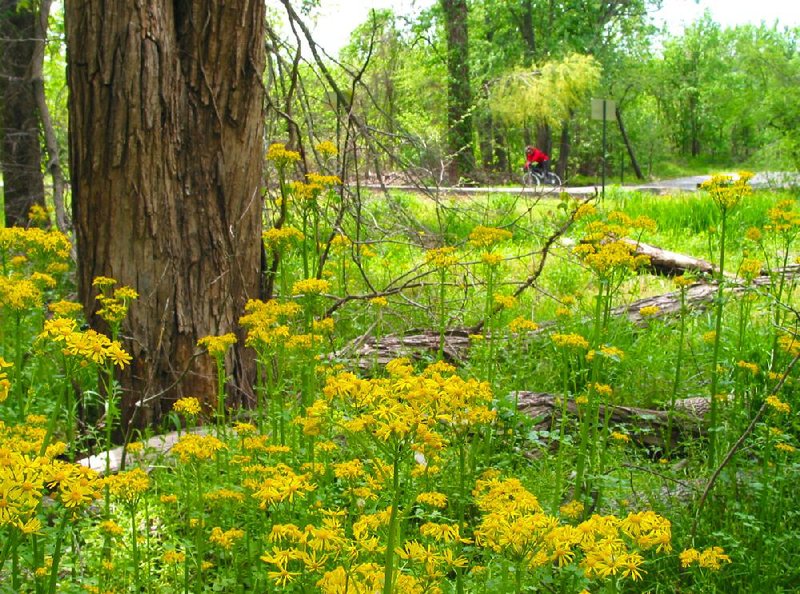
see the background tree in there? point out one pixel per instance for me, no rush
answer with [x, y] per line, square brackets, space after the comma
[459, 90]
[166, 152]
[23, 184]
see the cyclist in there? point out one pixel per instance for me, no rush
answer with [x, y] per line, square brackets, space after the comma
[536, 160]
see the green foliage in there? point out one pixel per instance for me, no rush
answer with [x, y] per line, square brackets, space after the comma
[548, 95]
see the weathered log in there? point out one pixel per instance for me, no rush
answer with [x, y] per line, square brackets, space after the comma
[670, 263]
[653, 424]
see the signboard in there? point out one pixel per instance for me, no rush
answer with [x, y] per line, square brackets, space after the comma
[598, 113]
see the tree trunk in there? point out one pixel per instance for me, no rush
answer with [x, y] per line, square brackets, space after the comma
[50, 139]
[166, 151]
[459, 92]
[528, 32]
[563, 151]
[634, 163]
[23, 184]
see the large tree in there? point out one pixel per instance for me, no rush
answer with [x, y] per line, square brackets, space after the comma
[166, 150]
[23, 185]
[459, 90]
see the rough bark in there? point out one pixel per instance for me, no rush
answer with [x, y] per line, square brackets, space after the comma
[165, 151]
[459, 93]
[23, 184]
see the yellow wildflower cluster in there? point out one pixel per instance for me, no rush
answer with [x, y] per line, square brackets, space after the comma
[413, 409]
[604, 248]
[278, 484]
[514, 525]
[784, 219]
[727, 191]
[264, 321]
[19, 294]
[217, 346]
[26, 478]
[484, 237]
[747, 366]
[128, 487]
[310, 286]
[505, 301]
[327, 149]
[570, 341]
[379, 302]
[710, 558]
[192, 447]
[278, 154]
[340, 243]
[39, 215]
[188, 405]
[521, 324]
[5, 383]
[648, 311]
[65, 309]
[114, 306]
[443, 257]
[790, 344]
[34, 243]
[280, 239]
[491, 259]
[225, 538]
[318, 181]
[750, 269]
[89, 345]
[778, 405]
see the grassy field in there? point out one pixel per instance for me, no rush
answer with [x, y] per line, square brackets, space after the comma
[424, 475]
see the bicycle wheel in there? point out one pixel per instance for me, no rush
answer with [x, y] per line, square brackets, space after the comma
[531, 180]
[552, 179]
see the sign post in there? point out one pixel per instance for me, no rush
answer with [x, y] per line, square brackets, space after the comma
[602, 109]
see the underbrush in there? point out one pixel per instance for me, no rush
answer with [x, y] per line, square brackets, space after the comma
[569, 446]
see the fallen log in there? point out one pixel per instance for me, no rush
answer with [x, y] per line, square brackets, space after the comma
[669, 263]
[688, 419]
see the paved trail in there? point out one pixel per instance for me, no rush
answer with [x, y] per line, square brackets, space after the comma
[669, 186]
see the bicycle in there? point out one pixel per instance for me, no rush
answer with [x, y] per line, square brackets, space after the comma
[537, 179]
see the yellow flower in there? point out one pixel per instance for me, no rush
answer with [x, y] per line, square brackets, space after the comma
[129, 486]
[225, 539]
[278, 154]
[443, 257]
[575, 341]
[573, 509]
[379, 302]
[711, 558]
[778, 405]
[505, 301]
[310, 286]
[491, 259]
[522, 324]
[649, 311]
[188, 405]
[433, 498]
[217, 345]
[327, 149]
[483, 237]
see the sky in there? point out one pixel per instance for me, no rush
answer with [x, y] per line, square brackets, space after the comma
[339, 17]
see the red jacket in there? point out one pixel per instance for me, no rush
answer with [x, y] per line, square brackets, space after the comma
[537, 156]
